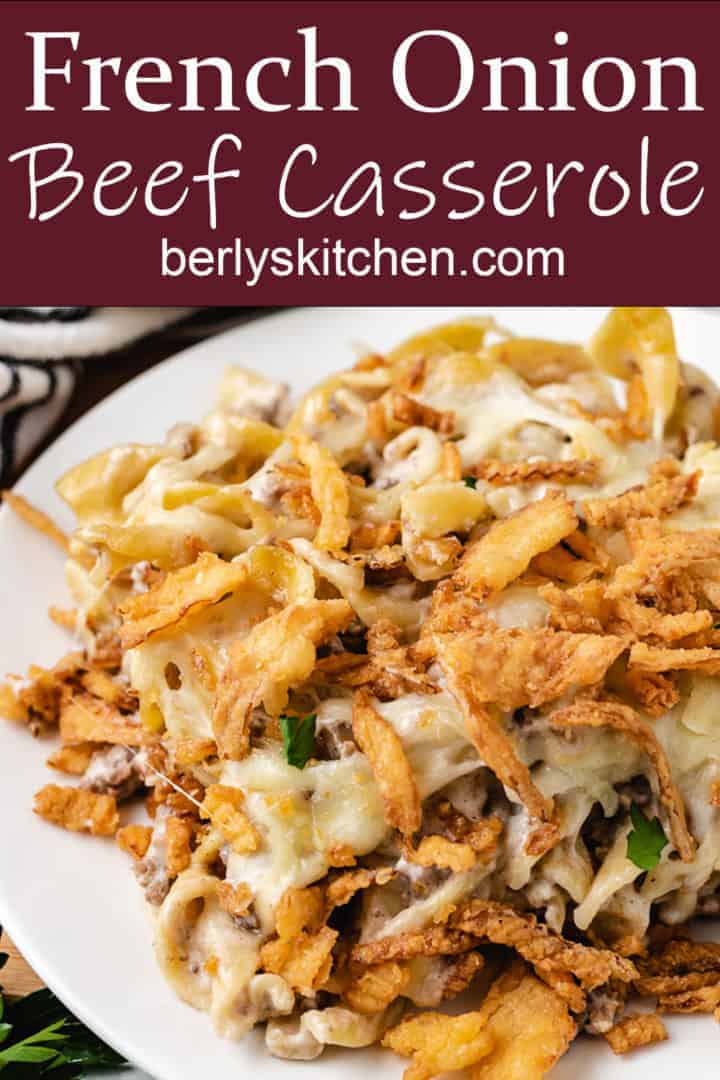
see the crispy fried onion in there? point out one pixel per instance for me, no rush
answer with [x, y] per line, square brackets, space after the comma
[654, 575]
[501, 473]
[236, 900]
[653, 500]
[72, 759]
[134, 839]
[222, 805]
[413, 413]
[373, 989]
[84, 718]
[435, 941]
[443, 853]
[389, 669]
[684, 975]
[549, 954]
[664, 970]
[648, 658]
[654, 692]
[527, 1023]
[513, 668]
[568, 611]
[613, 714]
[530, 1025]
[563, 565]
[494, 744]
[36, 519]
[439, 1043]
[704, 1000]
[192, 588]
[77, 809]
[381, 744]
[329, 489]
[277, 653]
[371, 535]
[470, 842]
[302, 950]
[636, 1031]
[509, 545]
[341, 889]
[37, 699]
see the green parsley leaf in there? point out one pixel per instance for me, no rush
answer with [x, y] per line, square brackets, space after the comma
[28, 1053]
[470, 481]
[298, 735]
[645, 841]
[29, 1050]
[47, 1040]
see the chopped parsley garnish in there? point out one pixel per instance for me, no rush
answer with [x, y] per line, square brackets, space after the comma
[645, 841]
[298, 735]
[470, 481]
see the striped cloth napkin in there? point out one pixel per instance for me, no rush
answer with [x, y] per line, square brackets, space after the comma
[41, 354]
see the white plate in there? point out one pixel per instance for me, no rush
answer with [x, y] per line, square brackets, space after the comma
[70, 902]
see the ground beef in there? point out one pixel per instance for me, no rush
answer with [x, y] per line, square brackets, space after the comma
[114, 771]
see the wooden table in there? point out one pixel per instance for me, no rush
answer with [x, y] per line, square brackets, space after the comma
[17, 977]
[101, 376]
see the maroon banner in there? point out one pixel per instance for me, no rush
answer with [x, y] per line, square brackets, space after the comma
[283, 153]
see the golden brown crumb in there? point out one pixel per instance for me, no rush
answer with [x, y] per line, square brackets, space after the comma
[235, 899]
[561, 564]
[530, 1025]
[636, 1031]
[222, 805]
[72, 759]
[134, 839]
[304, 963]
[178, 837]
[372, 990]
[667, 985]
[341, 889]
[340, 855]
[77, 809]
[439, 1043]
[443, 853]
[368, 536]
[193, 751]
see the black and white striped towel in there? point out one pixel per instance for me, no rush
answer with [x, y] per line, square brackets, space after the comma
[40, 361]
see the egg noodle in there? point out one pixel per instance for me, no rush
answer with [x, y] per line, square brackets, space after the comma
[419, 682]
